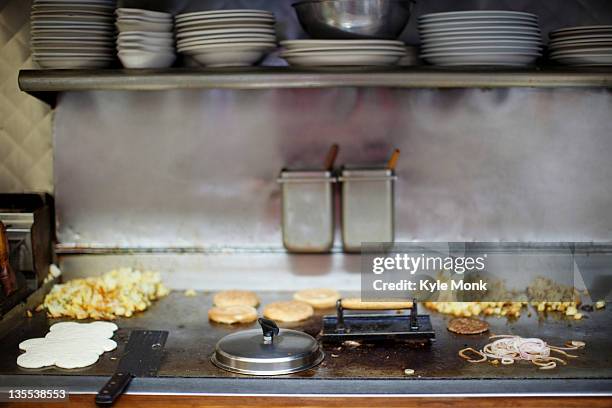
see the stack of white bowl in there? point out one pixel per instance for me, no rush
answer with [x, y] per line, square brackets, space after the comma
[582, 46]
[73, 34]
[146, 38]
[226, 38]
[497, 38]
[309, 53]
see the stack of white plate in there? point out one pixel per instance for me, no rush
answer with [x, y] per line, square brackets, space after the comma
[582, 46]
[73, 33]
[146, 38]
[309, 53]
[461, 38]
[226, 38]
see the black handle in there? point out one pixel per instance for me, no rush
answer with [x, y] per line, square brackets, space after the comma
[113, 388]
[269, 327]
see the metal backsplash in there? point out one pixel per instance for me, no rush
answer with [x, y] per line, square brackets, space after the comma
[198, 168]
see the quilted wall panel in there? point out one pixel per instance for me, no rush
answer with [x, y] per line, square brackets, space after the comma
[26, 154]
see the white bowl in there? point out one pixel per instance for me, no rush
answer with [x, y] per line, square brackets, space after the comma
[134, 24]
[232, 55]
[154, 42]
[146, 59]
[129, 12]
[148, 48]
[147, 34]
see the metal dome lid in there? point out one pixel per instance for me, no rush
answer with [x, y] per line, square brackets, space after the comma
[269, 351]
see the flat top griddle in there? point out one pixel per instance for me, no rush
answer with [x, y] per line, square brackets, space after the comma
[192, 339]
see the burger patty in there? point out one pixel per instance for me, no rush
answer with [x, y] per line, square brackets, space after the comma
[466, 325]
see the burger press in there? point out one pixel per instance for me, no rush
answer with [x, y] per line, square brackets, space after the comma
[380, 326]
[267, 351]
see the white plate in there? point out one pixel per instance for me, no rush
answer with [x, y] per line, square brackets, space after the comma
[61, 24]
[146, 59]
[232, 46]
[580, 40]
[72, 33]
[237, 30]
[213, 13]
[519, 19]
[483, 28]
[218, 16]
[585, 60]
[72, 40]
[71, 13]
[579, 47]
[229, 56]
[569, 34]
[125, 11]
[69, 2]
[472, 42]
[72, 63]
[226, 22]
[267, 37]
[354, 49]
[496, 59]
[480, 34]
[485, 48]
[476, 24]
[72, 18]
[106, 8]
[341, 59]
[583, 51]
[203, 41]
[477, 13]
[297, 44]
[581, 28]
[74, 53]
[94, 48]
[473, 57]
[142, 25]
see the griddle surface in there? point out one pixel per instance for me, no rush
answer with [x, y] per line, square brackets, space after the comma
[192, 339]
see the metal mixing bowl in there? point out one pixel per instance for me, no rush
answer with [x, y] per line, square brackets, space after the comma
[335, 19]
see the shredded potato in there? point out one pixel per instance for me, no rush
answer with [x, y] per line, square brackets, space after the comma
[118, 293]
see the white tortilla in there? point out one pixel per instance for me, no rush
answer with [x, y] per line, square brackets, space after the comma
[68, 345]
[29, 343]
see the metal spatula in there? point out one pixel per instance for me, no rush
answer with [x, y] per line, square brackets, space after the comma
[142, 358]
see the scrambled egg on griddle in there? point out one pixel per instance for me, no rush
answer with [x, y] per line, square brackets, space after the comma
[118, 293]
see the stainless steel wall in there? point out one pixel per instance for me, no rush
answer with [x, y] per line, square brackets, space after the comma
[26, 156]
[198, 168]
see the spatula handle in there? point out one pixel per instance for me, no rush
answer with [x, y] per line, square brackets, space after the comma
[113, 388]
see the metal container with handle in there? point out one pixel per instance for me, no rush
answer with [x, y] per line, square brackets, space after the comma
[308, 210]
[368, 206]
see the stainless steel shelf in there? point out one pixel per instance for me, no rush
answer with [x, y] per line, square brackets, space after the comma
[46, 83]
